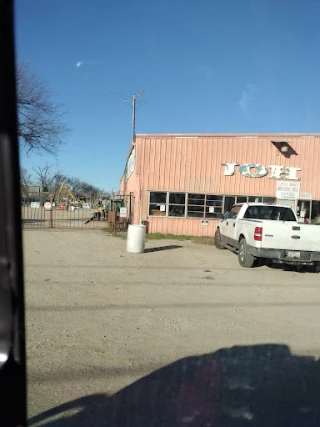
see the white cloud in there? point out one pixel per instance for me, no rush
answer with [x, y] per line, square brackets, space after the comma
[247, 96]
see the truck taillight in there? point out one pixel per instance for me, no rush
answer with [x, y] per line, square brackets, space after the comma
[258, 234]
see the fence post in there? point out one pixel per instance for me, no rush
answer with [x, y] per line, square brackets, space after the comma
[51, 213]
[115, 217]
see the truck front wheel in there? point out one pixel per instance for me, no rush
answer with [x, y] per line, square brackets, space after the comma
[245, 259]
[217, 240]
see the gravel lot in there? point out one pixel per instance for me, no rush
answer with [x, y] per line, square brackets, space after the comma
[98, 318]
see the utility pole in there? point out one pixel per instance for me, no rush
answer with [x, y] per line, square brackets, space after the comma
[133, 118]
[134, 99]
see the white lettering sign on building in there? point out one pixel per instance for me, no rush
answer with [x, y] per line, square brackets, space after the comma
[306, 196]
[256, 170]
[287, 190]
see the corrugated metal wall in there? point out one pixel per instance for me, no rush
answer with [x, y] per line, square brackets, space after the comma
[193, 164]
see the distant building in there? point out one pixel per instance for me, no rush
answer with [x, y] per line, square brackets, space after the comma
[33, 189]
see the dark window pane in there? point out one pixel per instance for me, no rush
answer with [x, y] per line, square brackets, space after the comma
[177, 198]
[242, 199]
[196, 199]
[214, 203]
[194, 208]
[269, 200]
[158, 197]
[213, 197]
[212, 211]
[228, 203]
[177, 210]
[195, 211]
[155, 209]
[255, 199]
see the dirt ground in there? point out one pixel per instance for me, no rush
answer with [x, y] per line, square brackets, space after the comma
[99, 319]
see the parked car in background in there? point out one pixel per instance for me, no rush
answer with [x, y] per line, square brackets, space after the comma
[263, 234]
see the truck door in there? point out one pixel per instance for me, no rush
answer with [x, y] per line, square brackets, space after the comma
[228, 226]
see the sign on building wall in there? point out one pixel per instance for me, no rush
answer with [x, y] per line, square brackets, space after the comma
[287, 190]
[255, 170]
[35, 205]
[306, 196]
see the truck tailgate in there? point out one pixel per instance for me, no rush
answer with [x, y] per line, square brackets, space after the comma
[290, 235]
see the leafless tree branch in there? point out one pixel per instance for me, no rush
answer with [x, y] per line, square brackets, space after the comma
[41, 126]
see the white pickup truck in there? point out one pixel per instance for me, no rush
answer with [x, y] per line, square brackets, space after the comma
[262, 234]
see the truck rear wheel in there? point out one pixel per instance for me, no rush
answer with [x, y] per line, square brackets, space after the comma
[217, 240]
[316, 267]
[245, 259]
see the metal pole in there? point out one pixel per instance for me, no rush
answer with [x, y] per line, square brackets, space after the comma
[51, 213]
[115, 216]
[134, 118]
[130, 207]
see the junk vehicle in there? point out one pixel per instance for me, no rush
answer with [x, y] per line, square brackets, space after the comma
[262, 234]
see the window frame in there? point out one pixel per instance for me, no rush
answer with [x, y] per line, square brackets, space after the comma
[205, 206]
[166, 203]
[176, 204]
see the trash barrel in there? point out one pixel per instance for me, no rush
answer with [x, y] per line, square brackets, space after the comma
[136, 239]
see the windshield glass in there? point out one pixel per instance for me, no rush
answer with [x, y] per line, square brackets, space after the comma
[273, 213]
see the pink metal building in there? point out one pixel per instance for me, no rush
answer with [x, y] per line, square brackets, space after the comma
[181, 183]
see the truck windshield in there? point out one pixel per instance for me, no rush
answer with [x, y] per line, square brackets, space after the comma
[273, 213]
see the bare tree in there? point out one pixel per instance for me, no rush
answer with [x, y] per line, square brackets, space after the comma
[25, 182]
[49, 179]
[40, 120]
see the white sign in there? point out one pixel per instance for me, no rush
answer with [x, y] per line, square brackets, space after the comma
[306, 196]
[123, 212]
[47, 205]
[205, 223]
[35, 205]
[162, 208]
[288, 190]
[211, 209]
[255, 170]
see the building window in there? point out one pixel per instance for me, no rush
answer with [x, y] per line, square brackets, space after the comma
[196, 204]
[177, 204]
[214, 205]
[315, 212]
[229, 202]
[158, 203]
[233, 200]
[255, 199]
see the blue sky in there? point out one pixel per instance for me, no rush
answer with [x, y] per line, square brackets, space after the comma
[211, 67]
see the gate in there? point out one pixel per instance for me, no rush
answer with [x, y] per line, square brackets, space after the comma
[37, 213]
